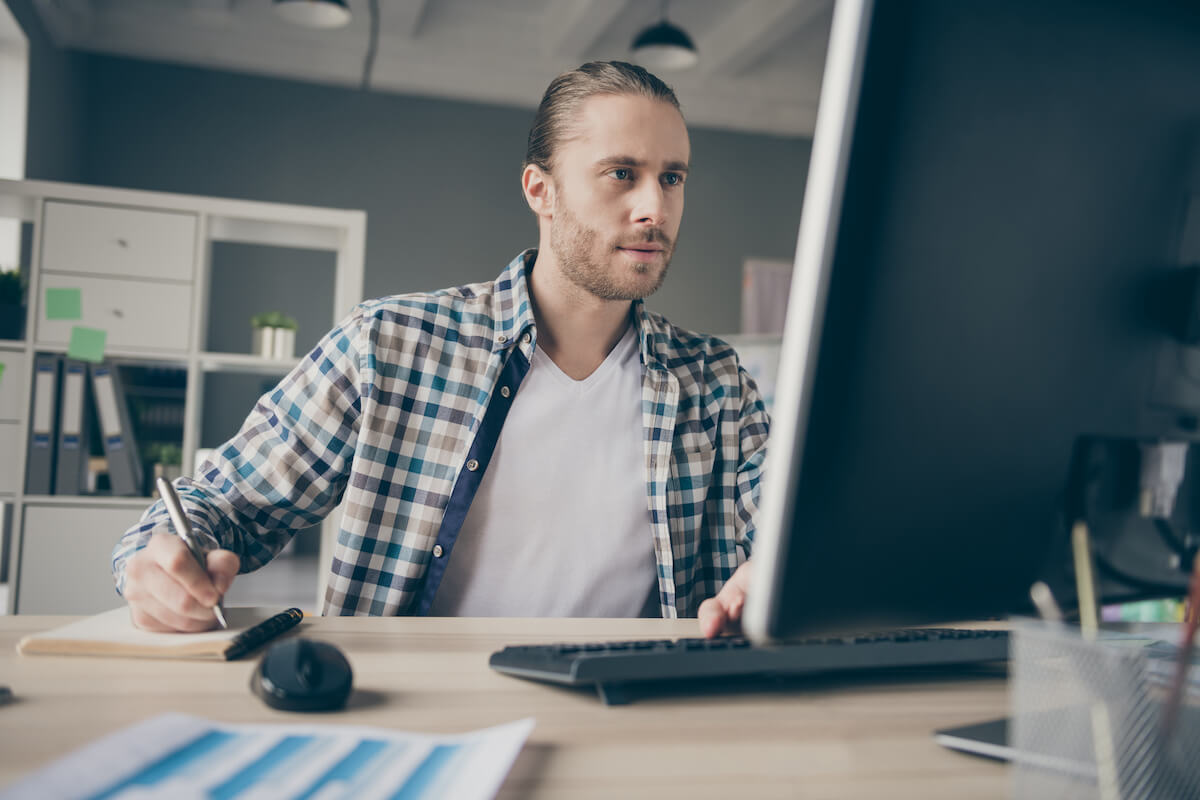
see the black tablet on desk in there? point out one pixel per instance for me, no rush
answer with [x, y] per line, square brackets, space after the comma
[992, 739]
[988, 739]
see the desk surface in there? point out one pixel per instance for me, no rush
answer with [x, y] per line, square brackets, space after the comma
[825, 738]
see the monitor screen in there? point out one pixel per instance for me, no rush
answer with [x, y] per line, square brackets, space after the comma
[988, 328]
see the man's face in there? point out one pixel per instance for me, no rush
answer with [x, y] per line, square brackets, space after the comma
[618, 199]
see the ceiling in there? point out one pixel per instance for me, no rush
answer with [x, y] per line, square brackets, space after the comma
[759, 71]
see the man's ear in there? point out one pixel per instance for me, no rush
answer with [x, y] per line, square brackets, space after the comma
[538, 186]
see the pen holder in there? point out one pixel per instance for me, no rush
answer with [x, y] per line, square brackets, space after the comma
[1087, 719]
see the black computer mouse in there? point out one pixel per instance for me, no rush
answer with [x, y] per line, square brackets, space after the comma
[303, 675]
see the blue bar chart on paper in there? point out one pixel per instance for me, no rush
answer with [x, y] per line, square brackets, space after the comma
[181, 756]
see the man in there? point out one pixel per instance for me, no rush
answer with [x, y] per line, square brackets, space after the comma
[575, 452]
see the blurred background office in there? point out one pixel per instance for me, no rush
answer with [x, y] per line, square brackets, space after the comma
[415, 111]
[426, 131]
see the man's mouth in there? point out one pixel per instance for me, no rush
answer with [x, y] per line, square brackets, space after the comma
[643, 250]
[643, 254]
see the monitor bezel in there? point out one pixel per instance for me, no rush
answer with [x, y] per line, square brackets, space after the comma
[834, 132]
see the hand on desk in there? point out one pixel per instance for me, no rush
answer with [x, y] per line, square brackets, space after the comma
[168, 591]
[722, 613]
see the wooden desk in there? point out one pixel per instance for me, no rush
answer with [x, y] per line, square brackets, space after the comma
[828, 738]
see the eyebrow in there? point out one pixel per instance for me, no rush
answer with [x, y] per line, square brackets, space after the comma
[630, 161]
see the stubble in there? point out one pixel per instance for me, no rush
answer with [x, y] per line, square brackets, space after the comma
[574, 246]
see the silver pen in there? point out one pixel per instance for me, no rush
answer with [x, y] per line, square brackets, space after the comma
[182, 527]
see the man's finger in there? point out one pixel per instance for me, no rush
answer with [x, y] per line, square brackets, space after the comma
[177, 561]
[223, 566]
[143, 619]
[155, 590]
[151, 593]
[722, 613]
[712, 617]
[152, 614]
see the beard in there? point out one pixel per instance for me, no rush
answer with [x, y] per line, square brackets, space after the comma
[574, 245]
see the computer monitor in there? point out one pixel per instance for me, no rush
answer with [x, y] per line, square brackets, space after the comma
[989, 314]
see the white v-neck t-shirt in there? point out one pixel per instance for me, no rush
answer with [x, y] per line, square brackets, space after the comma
[560, 525]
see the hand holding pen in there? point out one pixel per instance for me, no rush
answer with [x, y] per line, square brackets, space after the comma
[184, 529]
[169, 588]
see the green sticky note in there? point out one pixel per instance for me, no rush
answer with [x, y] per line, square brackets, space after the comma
[1, 371]
[87, 344]
[64, 304]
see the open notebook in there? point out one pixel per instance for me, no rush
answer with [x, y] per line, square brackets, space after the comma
[113, 634]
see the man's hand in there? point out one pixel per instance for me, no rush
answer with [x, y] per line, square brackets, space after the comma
[168, 591]
[723, 613]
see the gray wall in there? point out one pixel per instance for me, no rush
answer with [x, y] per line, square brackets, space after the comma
[438, 179]
[54, 139]
[246, 279]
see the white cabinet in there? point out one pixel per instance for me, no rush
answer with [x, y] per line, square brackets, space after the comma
[103, 240]
[142, 263]
[65, 556]
[135, 314]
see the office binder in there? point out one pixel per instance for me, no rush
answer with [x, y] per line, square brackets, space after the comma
[71, 461]
[120, 445]
[39, 462]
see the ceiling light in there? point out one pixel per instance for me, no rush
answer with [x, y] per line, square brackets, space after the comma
[665, 46]
[314, 13]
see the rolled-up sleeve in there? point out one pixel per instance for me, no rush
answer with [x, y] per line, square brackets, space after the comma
[285, 470]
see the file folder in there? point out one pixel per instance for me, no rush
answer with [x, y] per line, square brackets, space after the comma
[39, 462]
[120, 446]
[71, 470]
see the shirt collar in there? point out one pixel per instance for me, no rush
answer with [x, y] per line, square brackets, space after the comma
[654, 335]
[513, 313]
[511, 308]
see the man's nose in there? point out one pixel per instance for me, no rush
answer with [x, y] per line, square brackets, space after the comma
[650, 206]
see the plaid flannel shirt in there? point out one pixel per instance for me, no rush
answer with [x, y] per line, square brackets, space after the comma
[394, 415]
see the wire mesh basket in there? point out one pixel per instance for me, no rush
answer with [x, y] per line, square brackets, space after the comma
[1088, 720]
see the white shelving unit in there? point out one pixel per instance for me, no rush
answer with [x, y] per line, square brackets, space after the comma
[142, 261]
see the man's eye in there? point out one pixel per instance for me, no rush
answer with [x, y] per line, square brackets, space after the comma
[621, 173]
[672, 179]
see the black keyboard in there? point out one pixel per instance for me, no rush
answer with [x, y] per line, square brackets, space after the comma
[616, 668]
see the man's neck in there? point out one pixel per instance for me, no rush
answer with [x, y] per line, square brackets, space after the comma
[576, 329]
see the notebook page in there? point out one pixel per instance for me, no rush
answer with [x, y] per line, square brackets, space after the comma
[113, 633]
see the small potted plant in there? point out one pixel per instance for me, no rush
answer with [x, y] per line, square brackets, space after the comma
[12, 304]
[274, 335]
[165, 460]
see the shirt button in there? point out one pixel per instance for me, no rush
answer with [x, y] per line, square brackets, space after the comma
[502, 339]
[526, 339]
[472, 465]
[505, 391]
[437, 551]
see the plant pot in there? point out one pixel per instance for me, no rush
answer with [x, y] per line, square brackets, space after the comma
[168, 472]
[277, 343]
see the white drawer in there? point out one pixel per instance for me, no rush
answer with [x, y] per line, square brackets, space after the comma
[118, 241]
[154, 316]
[12, 394]
[66, 558]
[11, 442]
